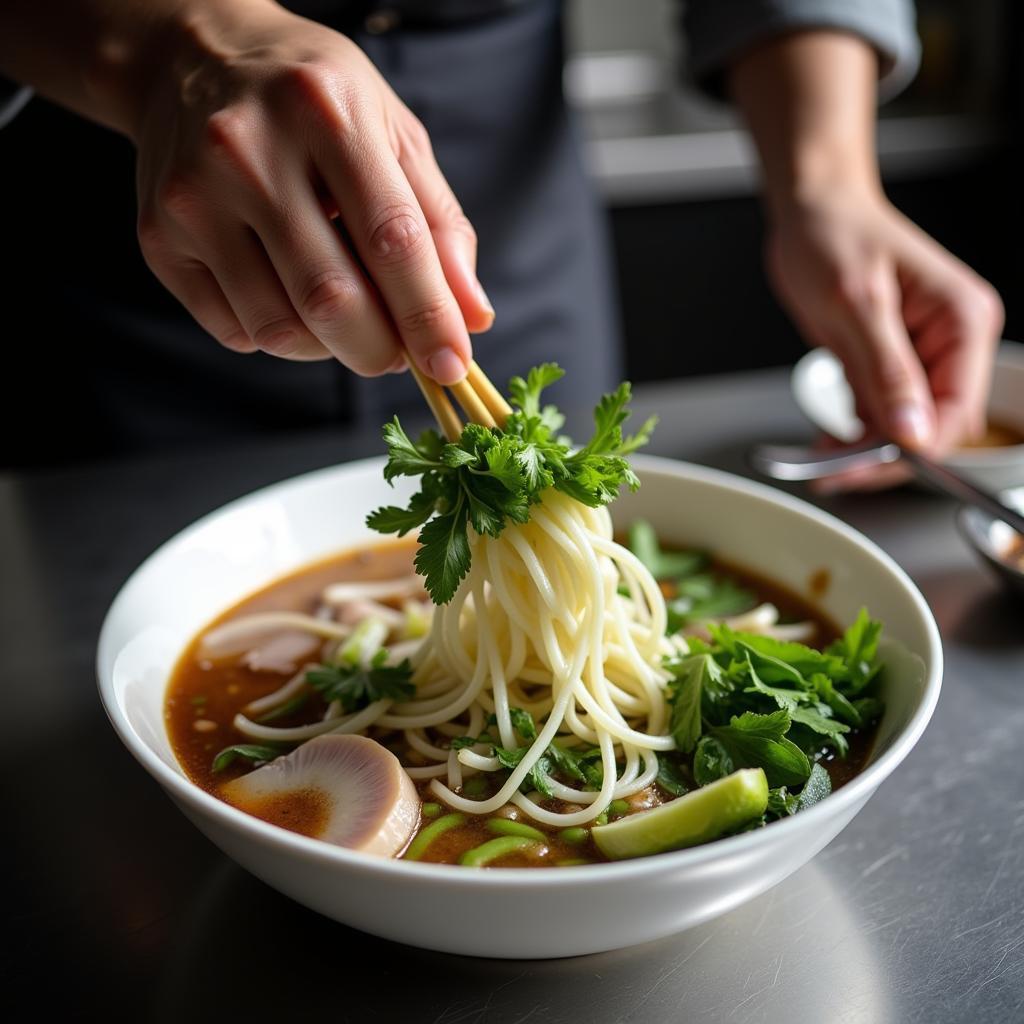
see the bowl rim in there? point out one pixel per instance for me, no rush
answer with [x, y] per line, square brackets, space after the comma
[1008, 353]
[306, 849]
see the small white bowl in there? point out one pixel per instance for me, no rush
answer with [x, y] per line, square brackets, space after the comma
[823, 395]
[992, 538]
[511, 912]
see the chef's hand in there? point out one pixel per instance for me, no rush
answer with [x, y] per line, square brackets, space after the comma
[915, 329]
[261, 128]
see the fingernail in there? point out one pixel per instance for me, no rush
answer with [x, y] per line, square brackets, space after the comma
[446, 367]
[484, 300]
[910, 425]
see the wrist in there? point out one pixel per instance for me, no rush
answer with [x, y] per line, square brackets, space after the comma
[132, 59]
[814, 175]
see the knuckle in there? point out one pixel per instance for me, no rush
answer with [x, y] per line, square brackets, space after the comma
[236, 341]
[424, 317]
[329, 97]
[179, 196]
[150, 233]
[227, 131]
[398, 235]
[281, 336]
[330, 296]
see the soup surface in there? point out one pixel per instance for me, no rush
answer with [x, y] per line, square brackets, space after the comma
[204, 697]
[997, 435]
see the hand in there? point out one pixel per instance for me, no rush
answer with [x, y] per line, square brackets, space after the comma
[258, 130]
[915, 328]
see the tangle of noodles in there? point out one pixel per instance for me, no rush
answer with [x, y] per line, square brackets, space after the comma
[555, 618]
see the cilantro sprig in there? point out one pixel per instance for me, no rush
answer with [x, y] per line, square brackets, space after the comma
[355, 686]
[490, 478]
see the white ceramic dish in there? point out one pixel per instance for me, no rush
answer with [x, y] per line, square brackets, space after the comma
[510, 912]
[993, 539]
[824, 397]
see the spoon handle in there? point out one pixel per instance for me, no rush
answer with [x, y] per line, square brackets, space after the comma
[797, 462]
[948, 481]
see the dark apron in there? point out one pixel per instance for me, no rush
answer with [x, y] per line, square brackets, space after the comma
[119, 366]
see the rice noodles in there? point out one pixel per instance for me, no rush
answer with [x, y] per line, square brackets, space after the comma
[555, 618]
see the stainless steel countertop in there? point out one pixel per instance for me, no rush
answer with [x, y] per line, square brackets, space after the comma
[116, 905]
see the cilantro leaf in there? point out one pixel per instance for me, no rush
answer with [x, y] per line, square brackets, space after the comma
[356, 686]
[443, 557]
[686, 690]
[488, 477]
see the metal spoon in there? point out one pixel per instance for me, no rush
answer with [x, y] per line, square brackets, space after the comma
[794, 462]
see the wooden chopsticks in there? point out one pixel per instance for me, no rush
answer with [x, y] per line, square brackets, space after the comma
[481, 401]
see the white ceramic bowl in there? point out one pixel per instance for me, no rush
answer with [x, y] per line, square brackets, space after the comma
[824, 397]
[510, 912]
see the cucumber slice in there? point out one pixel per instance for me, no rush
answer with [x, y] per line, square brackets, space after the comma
[698, 817]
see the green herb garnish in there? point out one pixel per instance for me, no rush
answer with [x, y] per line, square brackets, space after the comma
[257, 753]
[489, 478]
[750, 701]
[355, 686]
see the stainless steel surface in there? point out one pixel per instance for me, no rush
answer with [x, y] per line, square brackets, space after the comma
[116, 907]
[801, 462]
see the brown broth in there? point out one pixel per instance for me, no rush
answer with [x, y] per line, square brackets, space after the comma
[996, 435]
[203, 697]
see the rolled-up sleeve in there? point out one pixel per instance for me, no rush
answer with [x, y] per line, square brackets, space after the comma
[717, 30]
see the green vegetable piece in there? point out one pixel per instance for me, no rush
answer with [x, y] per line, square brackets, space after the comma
[711, 761]
[419, 845]
[576, 836]
[430, 810]
[816, 788]
[289, 707]
[643, 542]
[493, 849]
[475, 786]
[699, 817]
[618, 807]
[506, 827]
[357, 685]
[670, 776]
[258, 753]
[571, 862]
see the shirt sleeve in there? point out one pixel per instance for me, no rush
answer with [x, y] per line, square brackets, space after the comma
[717, 30]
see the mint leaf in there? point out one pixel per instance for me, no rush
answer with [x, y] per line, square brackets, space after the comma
[686, 690]
[759, 741]
[711, 761]
[816, 788]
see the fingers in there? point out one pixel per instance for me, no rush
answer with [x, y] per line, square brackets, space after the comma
[956, 338]
[453, 234]
[323, 283]
[252, 286]
[394, 242]
[884, 369]
[192, 284]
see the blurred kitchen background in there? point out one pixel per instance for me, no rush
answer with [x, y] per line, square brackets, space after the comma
[679, 175]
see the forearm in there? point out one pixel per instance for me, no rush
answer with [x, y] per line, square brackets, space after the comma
[98, 57]
[809, 99]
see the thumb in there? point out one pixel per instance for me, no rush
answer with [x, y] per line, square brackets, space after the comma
[887, 376]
